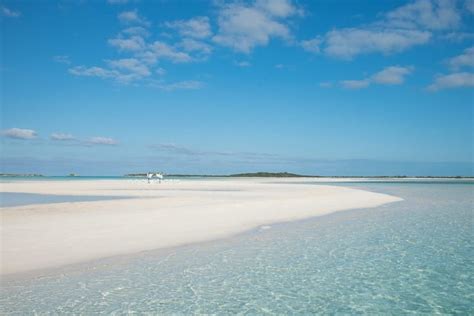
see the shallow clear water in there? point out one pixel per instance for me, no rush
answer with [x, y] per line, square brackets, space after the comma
[414, 256]
[9, 199]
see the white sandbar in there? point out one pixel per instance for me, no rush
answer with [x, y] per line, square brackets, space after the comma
[160, 215]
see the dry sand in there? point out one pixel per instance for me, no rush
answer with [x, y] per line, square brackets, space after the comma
[159, 215]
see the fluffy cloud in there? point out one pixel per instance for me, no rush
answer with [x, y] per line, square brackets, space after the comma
[466, 59]
[93, 72]
[99, 140]
[312, 45]
[198, 27]
[458, 36]
[469, 5]
[133, 43]
[131, 65]
[392, 75]
[191, 45]
[132, 17]
[243, 27]
[123, 71]
[278, 8]
[19, 133]
[9, 12]
[396, 31]
[429, 14]
[62, 137]
[349, 42]
[136, 30]
[457, 79]
[454, 80]
[163, 50]
[160, 71]
[71, 140]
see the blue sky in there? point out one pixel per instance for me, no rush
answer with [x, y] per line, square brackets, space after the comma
[316, 87]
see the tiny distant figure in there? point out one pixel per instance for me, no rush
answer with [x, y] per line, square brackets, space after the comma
[149, 176]
[159, 176]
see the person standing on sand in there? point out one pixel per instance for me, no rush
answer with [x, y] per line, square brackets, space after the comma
[159, 176]
[149, 175]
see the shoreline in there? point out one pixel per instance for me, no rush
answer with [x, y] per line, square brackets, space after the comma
[160, 253]
[159, 216]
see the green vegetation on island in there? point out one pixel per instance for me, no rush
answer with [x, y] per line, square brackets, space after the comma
[263, 174]
[268, 175]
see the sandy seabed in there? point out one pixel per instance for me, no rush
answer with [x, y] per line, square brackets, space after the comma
[155, 216]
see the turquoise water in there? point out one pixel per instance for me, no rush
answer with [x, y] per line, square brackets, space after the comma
[9, 199]
[414, 256]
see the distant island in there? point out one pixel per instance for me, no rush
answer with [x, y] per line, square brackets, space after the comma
[252, 174]
[269, 175]
[262, 174]
[20, 175]
[138, 174]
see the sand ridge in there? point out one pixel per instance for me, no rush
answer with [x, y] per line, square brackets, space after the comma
[162, 215]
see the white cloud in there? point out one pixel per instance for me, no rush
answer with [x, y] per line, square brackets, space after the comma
[140, 66]
[312, 45]
[160, 71]
[133, 43]
[355, 84]
[9, 12]
[62, 59]
[198, 27]
[243, 27]
[349, 42]
[392, 75]
[395, 31]
[279, 8]
[191, 45]
[458, 36]
[93, 72]
[136, 30]
[99, 140]
[160, 50]
[180, 85]
[132, 65]
[454, 80]
[103, 73]
[132, 17]
[469, 5]
[62, 137]
[19, 133]
[429, 14]
[466, 59]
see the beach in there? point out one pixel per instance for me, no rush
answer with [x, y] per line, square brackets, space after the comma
[154, 216]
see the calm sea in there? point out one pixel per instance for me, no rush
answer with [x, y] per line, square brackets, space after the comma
[413, 256]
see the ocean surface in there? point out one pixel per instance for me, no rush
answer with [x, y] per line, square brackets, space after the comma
[413, 256]
[9, 199]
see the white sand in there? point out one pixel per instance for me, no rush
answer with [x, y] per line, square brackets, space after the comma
[161, 215]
